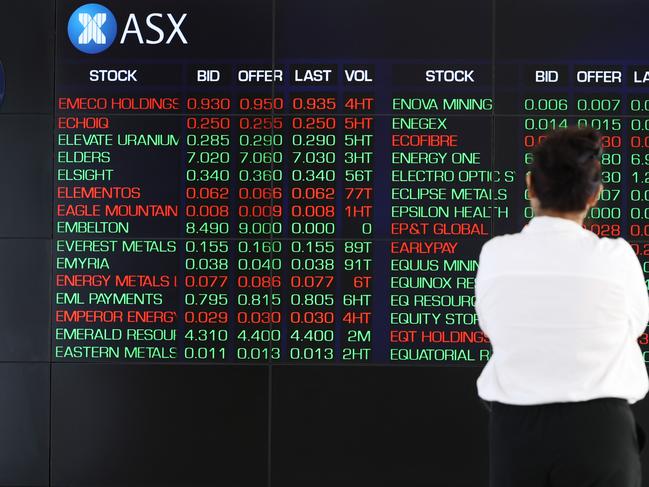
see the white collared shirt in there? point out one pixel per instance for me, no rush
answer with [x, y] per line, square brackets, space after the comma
[563, 310]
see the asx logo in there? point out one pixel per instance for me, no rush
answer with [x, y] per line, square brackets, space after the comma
[92, 28]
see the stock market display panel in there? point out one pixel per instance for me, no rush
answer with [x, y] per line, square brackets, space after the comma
[298, 187]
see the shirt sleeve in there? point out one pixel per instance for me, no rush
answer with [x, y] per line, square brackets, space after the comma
[637, 297]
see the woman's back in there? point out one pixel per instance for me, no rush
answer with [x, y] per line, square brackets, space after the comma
[562, 309]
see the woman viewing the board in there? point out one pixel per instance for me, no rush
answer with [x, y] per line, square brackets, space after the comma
[563, 310]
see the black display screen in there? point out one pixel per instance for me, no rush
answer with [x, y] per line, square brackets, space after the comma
[239, 238]
[233, 186]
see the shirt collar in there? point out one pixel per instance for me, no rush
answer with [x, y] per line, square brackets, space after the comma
[552, 224]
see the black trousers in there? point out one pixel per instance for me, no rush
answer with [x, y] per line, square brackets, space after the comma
[580, 444]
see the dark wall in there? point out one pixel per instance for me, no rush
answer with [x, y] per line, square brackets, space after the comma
[27, 54]
[228, 425]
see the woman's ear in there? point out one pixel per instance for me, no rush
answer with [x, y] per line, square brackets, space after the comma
[594, 198]
[528, 181]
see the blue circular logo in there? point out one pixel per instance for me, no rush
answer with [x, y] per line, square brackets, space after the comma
[92, 28]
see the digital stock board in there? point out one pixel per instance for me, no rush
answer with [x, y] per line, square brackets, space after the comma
[297, 182]
[239, 238]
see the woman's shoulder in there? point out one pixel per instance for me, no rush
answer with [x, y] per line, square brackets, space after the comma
[512, 244]
[615, 247]
[502, 248]
[503, 241]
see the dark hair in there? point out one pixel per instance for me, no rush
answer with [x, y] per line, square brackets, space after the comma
[566, 168]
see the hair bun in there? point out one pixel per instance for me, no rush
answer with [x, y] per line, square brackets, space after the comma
[565, 167]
